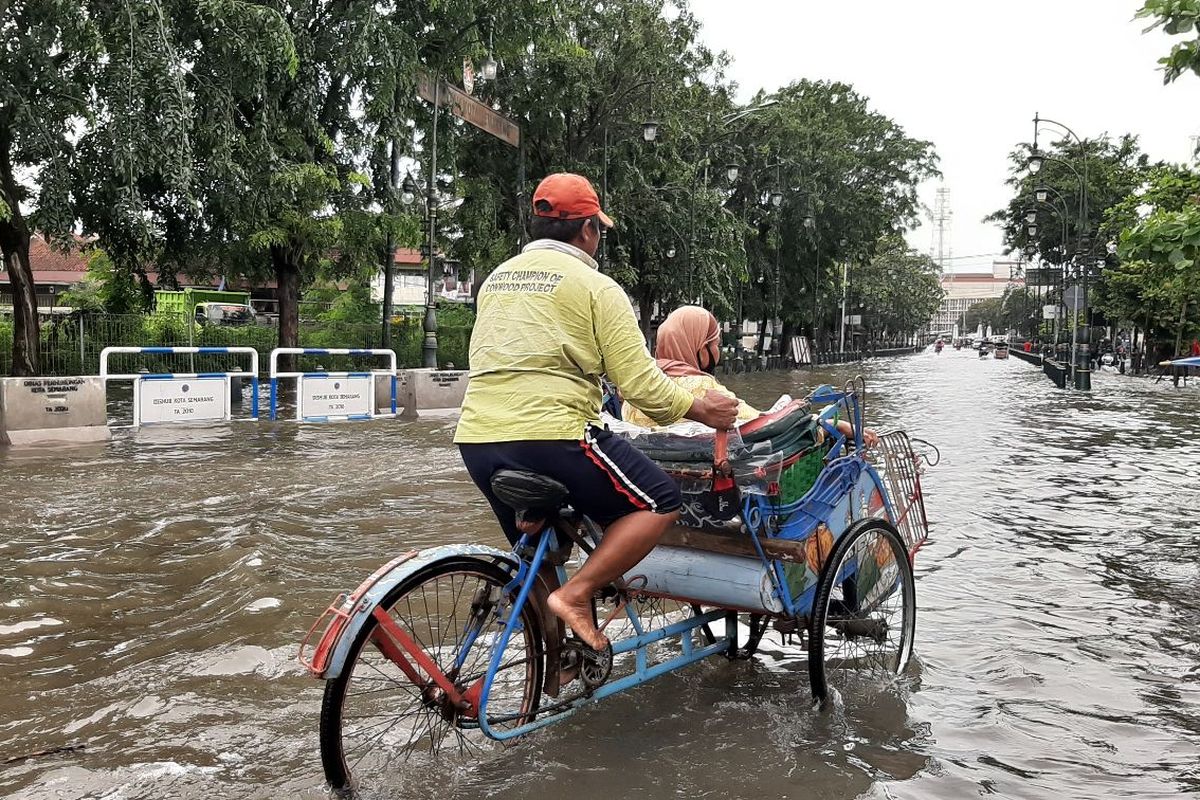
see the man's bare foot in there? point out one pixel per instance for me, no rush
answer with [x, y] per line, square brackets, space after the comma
[578, 618]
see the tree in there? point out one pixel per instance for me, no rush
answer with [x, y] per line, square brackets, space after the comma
[986, 313]
[848, 178]
[1019, 310]
[1168, 242]
[104, 288]
[1114, 169]
[1176, 17]
[581, 90]
[48, 60]
[1131, 292]
[898, 289]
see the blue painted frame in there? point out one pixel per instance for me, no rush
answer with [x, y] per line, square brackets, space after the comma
[843, 487]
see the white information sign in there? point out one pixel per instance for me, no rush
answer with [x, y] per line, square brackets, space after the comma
[800, 351]
[182, 400]
[335, 397]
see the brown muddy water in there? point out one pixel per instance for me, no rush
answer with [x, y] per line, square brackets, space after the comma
[153, 591]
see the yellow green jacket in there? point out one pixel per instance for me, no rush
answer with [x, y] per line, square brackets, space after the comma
[696, 386]
[549, 324]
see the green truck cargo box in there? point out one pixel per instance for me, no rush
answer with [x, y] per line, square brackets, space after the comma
[184, 302]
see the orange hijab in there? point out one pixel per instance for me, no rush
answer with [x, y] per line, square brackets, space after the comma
[688, 342]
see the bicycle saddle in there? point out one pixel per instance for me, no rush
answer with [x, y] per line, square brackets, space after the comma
[525, 491]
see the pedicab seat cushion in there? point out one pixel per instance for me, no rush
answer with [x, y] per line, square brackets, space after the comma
[789, 438]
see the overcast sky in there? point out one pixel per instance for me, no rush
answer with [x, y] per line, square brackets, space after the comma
[968, 75]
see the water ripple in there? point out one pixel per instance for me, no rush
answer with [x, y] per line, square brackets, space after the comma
[153, 591]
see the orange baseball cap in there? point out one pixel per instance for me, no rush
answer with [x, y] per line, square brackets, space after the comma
[566, 195]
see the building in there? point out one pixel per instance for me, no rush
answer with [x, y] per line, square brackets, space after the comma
[965, 289]
[54, 271]
[56, 268]
[410, 279]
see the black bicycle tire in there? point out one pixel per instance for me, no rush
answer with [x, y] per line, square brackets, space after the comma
[818, 680]
[332, 758]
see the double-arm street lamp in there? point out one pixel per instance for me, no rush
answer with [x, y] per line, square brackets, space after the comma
[429, 346]
[1082, 377]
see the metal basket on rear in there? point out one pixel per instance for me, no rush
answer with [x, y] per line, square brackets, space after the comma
[902, 473]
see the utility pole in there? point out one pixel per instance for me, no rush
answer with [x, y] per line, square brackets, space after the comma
[845, 288]
[429, 347]
[389, 264]
[941, 220]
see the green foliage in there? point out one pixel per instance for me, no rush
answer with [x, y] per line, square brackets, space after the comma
[1167, 245]
[257, 140]
[1113, 169]
[987, 313]
[1135, 290]
[592, 81]
[897, 291]
[352, 307]
[1176, 18]
[105, 288]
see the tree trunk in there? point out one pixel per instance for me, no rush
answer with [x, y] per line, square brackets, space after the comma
[287, 290]
[14, 244]
[1179, 331]
[786, 336]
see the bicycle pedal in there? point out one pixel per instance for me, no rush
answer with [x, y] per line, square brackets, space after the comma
[595, 666]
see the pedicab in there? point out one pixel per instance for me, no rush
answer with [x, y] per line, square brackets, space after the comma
[787, 524]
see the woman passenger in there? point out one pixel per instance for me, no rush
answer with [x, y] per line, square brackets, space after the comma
[688, 351]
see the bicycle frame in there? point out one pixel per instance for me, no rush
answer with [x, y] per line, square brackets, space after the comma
[643, 672]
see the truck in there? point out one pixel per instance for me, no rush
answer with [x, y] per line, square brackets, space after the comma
[206, 306]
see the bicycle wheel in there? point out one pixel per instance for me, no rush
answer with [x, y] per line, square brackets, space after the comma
[374, 715]
[865, 610]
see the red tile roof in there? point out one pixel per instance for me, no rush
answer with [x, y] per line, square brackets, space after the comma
[408, 256]
[66, 267]
[51, 264]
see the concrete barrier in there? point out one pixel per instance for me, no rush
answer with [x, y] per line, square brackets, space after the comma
[49, 410]
[430, 389]
[1030, 357]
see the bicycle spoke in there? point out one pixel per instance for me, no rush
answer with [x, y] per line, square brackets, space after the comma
[385, 718]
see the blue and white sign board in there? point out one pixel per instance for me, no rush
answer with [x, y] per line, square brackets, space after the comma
[181, 400]
[323, 396]
[320, 397]
[176, 397]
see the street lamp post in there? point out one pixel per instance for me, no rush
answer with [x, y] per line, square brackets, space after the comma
[649, 135]
[429, 347]
[1060, 209]
[1080, 372]
[731, 173]
[389, 266]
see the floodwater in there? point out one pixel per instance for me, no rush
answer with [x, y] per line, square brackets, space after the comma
[153, 591]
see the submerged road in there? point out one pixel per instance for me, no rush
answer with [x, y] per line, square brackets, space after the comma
[153, 591]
